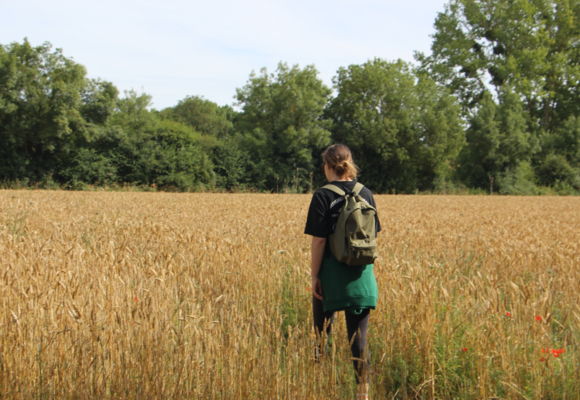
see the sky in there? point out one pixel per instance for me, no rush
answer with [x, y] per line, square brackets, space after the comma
[172, 49]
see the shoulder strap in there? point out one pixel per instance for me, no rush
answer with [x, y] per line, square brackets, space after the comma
[357, 188]
[335, 189]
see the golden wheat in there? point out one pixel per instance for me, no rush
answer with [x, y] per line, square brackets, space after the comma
[204, 296]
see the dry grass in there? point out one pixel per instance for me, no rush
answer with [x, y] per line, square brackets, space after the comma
[203, 296]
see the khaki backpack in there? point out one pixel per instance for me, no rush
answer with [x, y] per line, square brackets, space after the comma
[353, 241]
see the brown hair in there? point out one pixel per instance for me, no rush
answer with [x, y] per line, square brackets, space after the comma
[339, 158]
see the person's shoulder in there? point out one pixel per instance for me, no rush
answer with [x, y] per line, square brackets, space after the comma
[367, 194]
[366, 189]
[322, 193]
[325, 190]
[321, 198]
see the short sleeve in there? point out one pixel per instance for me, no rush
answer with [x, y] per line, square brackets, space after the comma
[317, 219]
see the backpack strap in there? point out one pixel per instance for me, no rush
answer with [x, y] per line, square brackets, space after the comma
[335, 189]
[357, 188]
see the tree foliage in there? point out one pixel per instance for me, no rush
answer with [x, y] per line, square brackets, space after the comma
[202, 115]
[527, 45]
[523, 55]
[40, 102]
[282, 125]
[494, 106]
[404, 129]
[58, 125]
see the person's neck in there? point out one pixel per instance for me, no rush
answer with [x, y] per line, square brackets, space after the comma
[336, 178]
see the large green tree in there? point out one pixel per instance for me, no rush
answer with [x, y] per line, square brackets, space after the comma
[529, 45]
[404, 129]
[281, 120]
[525, 54]
[40, 110]
[203, 115]
[148, 150]
[220, 141]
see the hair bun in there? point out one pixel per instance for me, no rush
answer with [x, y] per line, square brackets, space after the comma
[339, 158]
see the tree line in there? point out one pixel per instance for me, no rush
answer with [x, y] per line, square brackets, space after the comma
[493, 108]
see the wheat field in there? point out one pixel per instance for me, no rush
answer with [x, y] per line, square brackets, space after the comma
[205, 296]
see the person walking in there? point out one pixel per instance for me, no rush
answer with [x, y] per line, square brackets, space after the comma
[337, 286]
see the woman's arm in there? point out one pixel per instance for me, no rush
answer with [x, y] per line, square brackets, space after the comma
[317, 252]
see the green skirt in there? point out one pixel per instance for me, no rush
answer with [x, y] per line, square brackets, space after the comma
[347, 287]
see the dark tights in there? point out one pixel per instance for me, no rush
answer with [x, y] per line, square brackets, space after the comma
[356, 326]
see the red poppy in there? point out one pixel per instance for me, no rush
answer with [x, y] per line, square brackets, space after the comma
[557, 352]
[508, 314]
[464, 349]
[539, 318]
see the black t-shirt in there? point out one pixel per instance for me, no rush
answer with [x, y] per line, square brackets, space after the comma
[325, 207]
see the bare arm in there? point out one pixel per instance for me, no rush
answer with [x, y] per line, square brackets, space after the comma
[316, 252]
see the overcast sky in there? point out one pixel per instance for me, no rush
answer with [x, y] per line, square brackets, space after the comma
[171, 49]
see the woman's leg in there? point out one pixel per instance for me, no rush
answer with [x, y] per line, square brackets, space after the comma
[357, 326]
[322, 323]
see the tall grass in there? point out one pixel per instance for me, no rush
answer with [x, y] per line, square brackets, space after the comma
[204, 296]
